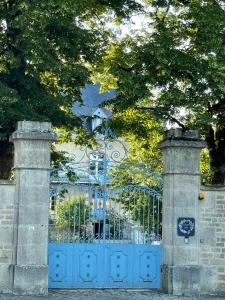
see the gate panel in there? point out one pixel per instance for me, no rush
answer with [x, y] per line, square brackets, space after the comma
[103, 234]
[147, 265]
[60, 261]
[104, 242]
[104, 266]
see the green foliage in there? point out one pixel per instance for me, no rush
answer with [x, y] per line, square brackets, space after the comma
[129, 172]
[144, 209]
[45, 47]
[72, 220]
[205, 167]
[115, 224]
[143, 164]
[175, 65]
[72, 213]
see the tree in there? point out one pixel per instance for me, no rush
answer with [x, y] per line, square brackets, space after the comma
[143, 164]
[174, 70]
[44, 50]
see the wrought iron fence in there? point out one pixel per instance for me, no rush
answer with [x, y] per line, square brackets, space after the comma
[82, 213]
[98, 197]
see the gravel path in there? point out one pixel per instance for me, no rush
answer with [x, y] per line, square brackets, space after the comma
[107, 295]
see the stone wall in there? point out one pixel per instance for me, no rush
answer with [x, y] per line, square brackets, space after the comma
[195, 264]
[7, 196]
[212, 234]
[181, 272]
[24, 209]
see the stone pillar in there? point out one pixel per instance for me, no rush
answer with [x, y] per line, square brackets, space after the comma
[32, 141]
[181, 273]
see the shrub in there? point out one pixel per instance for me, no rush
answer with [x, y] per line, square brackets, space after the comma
[72, 213]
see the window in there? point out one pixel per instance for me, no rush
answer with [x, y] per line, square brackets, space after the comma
[96, 122]
[96, 163]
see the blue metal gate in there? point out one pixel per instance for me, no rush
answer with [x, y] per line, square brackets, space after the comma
[103, 234]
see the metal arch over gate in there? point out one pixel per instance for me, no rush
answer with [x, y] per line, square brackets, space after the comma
[103, 234]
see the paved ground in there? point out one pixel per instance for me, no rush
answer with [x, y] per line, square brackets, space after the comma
[106, 295]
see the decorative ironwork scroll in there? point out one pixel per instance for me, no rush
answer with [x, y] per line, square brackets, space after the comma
[96, 196]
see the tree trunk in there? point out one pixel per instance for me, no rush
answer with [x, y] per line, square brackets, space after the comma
[6, 159]
[216, 146]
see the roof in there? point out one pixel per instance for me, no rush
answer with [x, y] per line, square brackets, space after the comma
[92, 99]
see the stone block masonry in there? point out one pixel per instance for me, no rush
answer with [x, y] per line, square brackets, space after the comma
[32, 144]
[181, 271]
[212, 234]
[24, 206]
[7, 196]
[196, 266]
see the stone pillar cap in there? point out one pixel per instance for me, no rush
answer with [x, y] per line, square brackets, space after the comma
[180, 134]
[32, 126]
[179, 138]
[34, 130]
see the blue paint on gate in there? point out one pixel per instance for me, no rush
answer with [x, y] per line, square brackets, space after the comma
[104, 265]
[102, 233]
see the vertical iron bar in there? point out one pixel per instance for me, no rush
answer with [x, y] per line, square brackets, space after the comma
[129, 219]
[58, 203]
[153, 216]
[53, 226]
[74, 214]
[90, 209]
[149, 195]
[114, 219]
[63, 203]
[100, 196]
[143, 214]
[119, 218]
[69, 203]
[84, 212]
[110, 199]
[157, 216]
[54, 217]
[124, 214]
[79, 216]
[139, 214]
[105, 167]
[134, 216]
